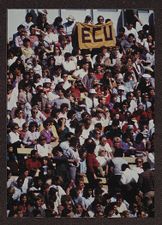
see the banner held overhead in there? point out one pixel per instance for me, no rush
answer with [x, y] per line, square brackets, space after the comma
[96, 36]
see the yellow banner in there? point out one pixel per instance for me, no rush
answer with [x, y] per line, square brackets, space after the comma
[96, 36]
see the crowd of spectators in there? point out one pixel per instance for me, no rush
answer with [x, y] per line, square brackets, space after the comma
[82, 113]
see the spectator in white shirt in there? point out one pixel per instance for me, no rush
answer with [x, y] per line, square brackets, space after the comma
[130, 30]
[91, 101]
[36, 67]
[43, 148]
[69, 25]
[14, 134]
[104, 146]
[69, 64]
[31, 135]
[50, 37]
[59, 59]
[19, 118]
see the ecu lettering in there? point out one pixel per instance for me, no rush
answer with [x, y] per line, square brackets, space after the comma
[108, 38]
[94, 34]
[85, 35]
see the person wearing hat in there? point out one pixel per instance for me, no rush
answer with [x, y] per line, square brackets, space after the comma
[145, 84]
[121, 94]
[69, 25]
[91, 101]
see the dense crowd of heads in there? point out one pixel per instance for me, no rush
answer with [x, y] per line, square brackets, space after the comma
[81, 115]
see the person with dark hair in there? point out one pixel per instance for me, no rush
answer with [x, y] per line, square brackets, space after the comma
[32, 164]
[115, 171]
[92, 163]
[90, 113]
[62, 166]
[47, 132]
[100, 20]
[28, 22]
[146, 184]
[27, 51]
[19, 36]
[14, 137]
[69, 64]
[19, 118]
[88, 19]
[31, 135]
[129, 180]
[57, 22]
[131, 16]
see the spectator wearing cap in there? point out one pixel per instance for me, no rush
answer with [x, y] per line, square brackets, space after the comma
[91, 100]
[145, 84]
[69, 25]
[121, 94]
[145, 101]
